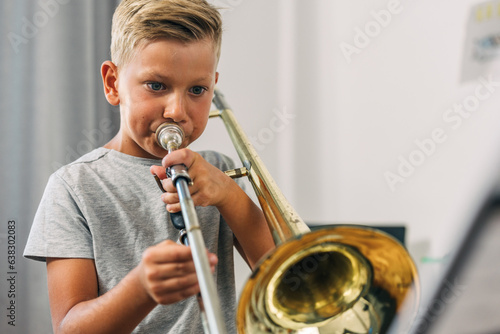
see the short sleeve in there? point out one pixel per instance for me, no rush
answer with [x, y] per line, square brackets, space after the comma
[59, 228]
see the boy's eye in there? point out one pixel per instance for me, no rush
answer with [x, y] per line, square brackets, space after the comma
[198, 90]
[156, 86]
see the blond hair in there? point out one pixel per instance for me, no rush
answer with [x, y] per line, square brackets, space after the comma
[138, 21]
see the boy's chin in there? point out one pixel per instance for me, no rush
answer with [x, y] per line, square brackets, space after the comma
[158, 153]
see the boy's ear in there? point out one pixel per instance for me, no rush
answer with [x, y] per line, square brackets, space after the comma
[109, 73]
[216, 77]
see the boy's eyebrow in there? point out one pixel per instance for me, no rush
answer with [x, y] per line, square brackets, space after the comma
[162, 77]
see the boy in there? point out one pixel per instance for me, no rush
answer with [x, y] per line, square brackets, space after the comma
[113, 264]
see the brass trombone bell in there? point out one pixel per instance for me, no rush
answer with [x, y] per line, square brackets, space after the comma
[345, 279]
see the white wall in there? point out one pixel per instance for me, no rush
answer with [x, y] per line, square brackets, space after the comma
[353, 120]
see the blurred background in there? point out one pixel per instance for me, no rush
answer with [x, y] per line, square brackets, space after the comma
[383, 113]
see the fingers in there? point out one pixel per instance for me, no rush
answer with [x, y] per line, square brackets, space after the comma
[171, 197]
[159, 171]
[168, 273]
[172, 201]
[209, 186]
[183, 156]
[167, 252]
[168, 185]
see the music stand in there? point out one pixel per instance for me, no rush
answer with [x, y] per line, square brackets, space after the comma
[467, 299]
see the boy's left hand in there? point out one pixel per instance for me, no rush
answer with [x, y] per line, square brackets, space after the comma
[210, 185]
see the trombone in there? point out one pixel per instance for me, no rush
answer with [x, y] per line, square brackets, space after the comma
[342, 279]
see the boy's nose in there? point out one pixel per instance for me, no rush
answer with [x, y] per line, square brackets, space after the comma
[175, 108]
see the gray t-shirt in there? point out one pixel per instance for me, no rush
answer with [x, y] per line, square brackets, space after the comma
[106, 206]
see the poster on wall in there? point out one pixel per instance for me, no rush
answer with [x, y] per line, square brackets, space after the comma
[482, 42]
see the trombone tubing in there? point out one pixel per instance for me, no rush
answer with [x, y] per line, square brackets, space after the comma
[208, 288]
[278, 212]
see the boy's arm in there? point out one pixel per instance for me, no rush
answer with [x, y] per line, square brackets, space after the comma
[212, 187]
[165, 275]
[248, 224]
[75, 305]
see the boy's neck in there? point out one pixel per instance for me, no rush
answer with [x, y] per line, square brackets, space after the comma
[114, 143]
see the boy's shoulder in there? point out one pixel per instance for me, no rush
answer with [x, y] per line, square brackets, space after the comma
[94, 156]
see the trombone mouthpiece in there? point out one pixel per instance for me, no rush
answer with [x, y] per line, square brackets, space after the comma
[169, 136]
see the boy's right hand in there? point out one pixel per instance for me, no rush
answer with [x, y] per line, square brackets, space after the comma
[168, 274]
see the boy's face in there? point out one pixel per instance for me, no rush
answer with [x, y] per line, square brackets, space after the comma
[166, 81]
